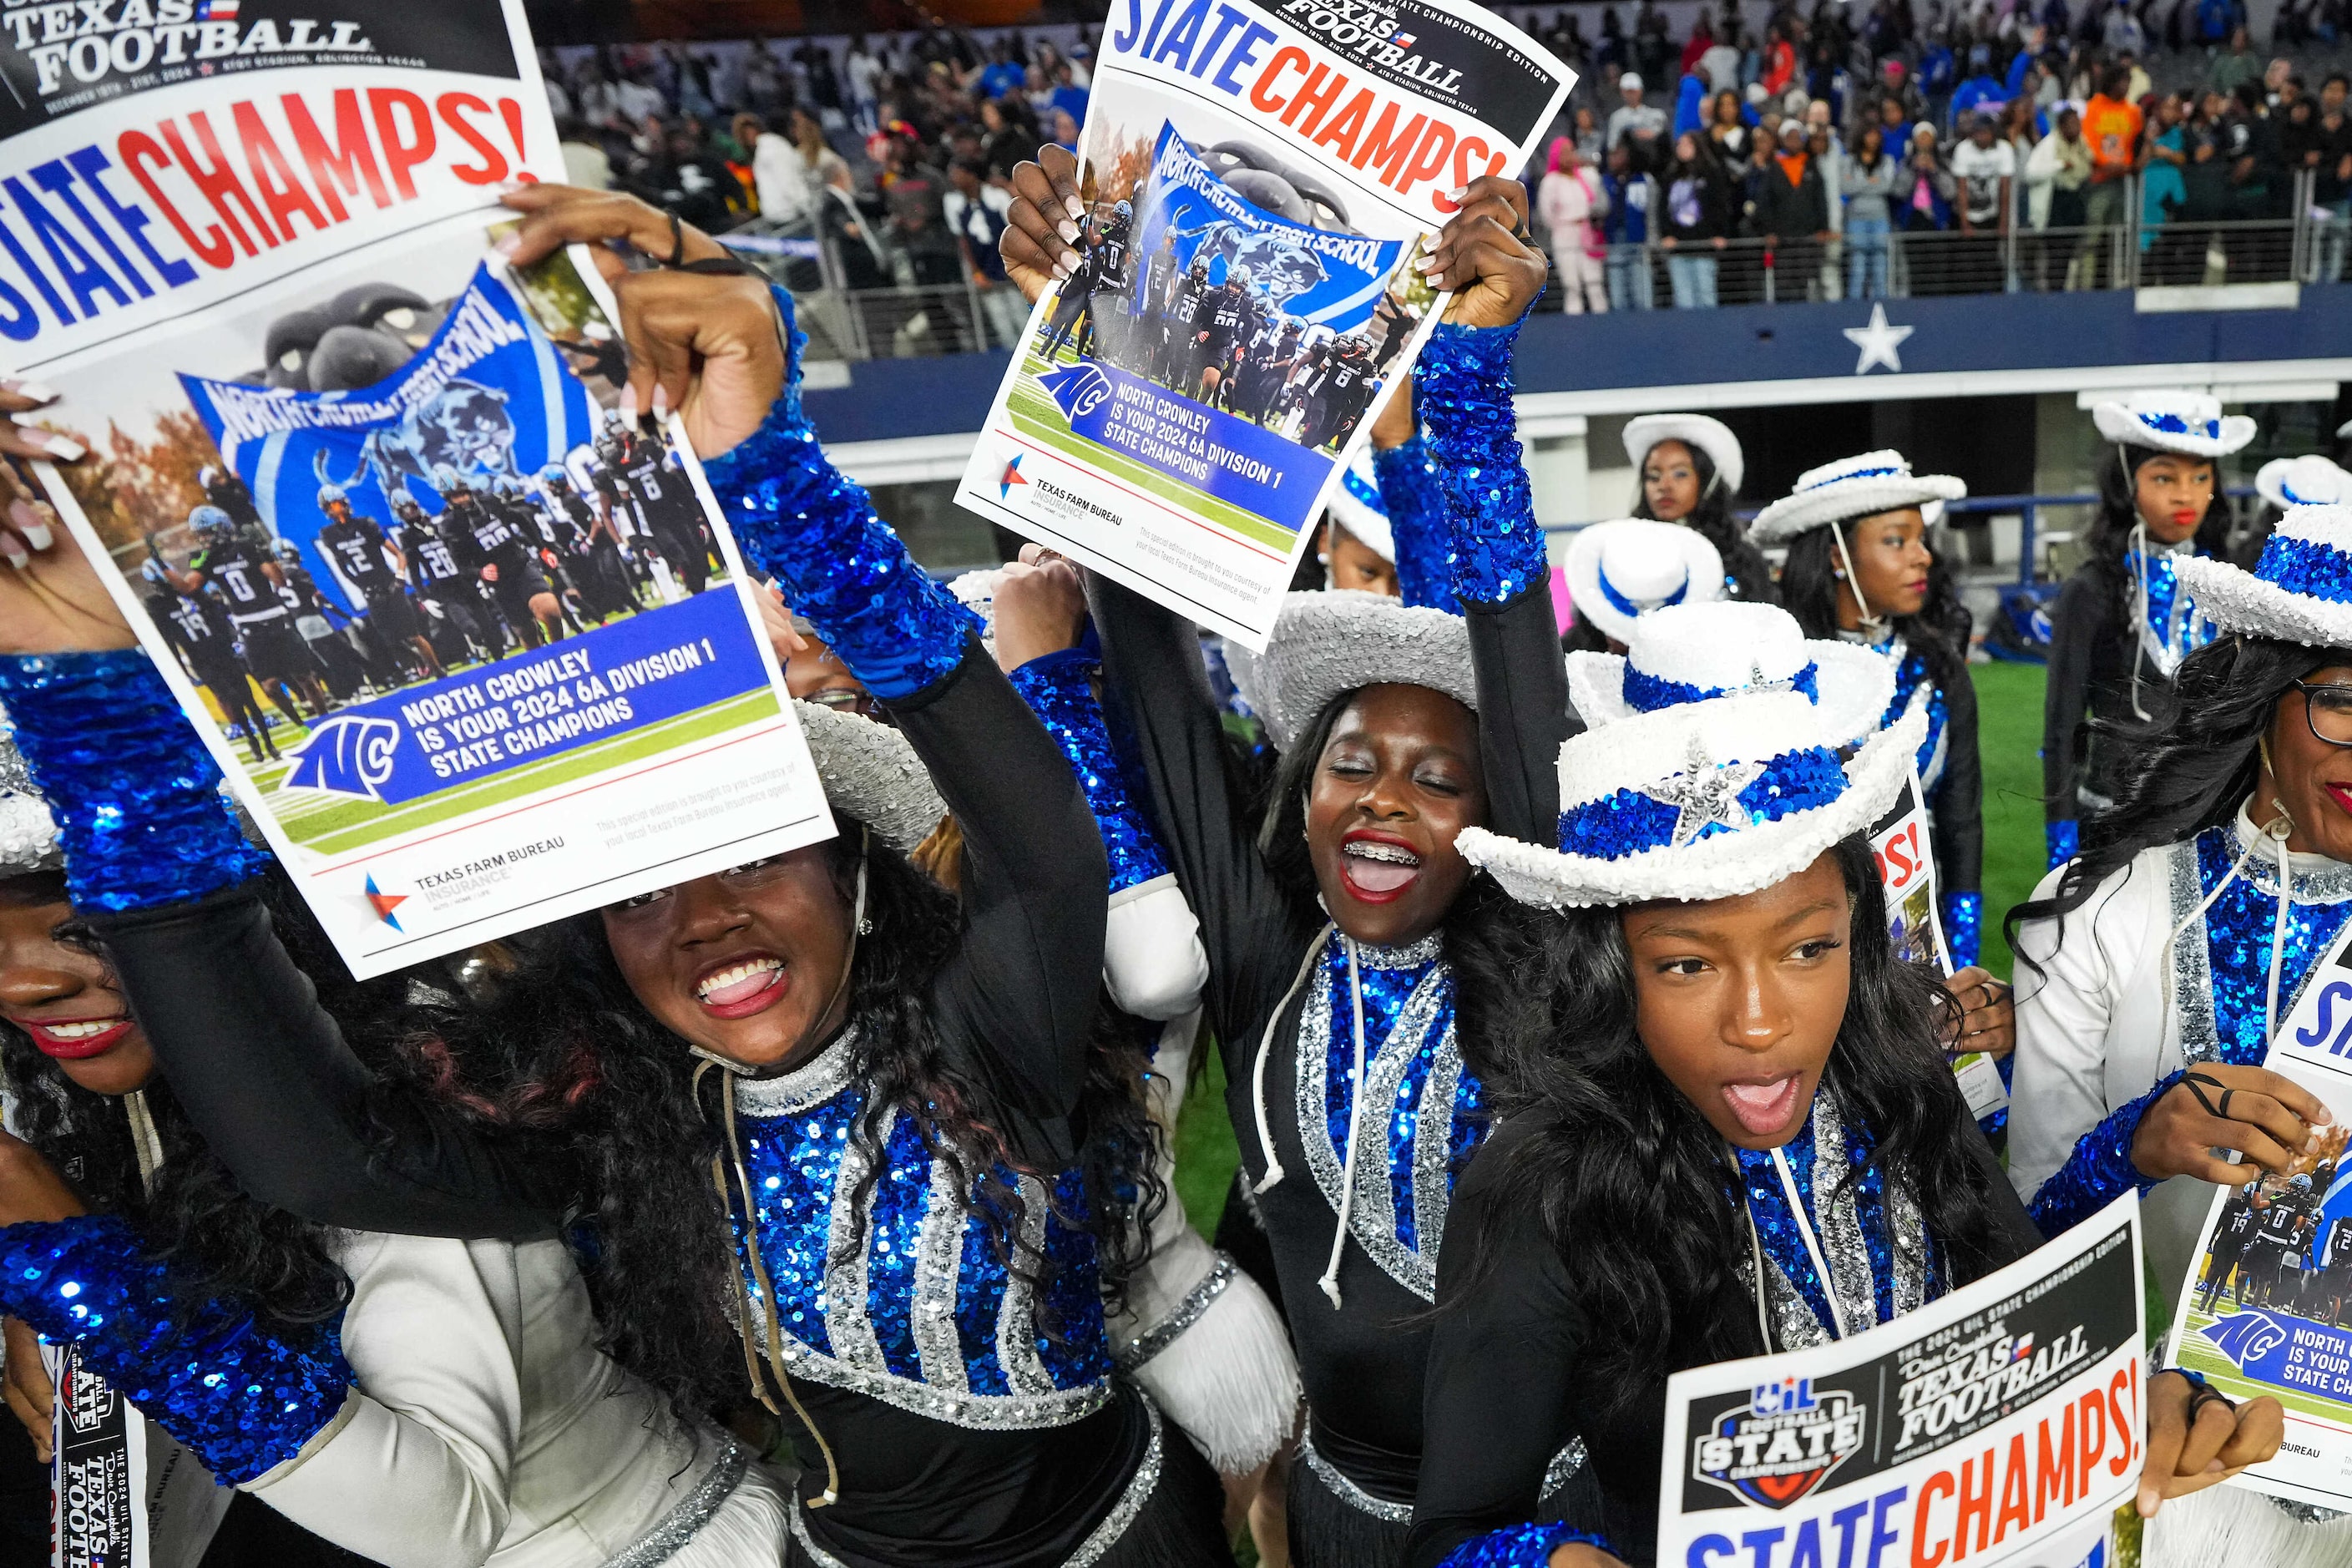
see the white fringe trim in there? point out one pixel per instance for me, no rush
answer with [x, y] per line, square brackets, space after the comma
[1230, 1381]
[2231, 1527]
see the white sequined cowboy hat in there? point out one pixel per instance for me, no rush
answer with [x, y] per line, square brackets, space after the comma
[29, 834]
[2307, 480]
[1356, 506]
[1851, 488]
[870, 771]
[1695, 431]
[1623, 569]
[2300, 590]
[2189, 423]
[1724, 774]
[1339, 640]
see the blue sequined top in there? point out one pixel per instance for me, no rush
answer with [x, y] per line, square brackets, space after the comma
[799, 519]
[243, 1396]
[1058, 686]
[2221, 984]
[1881, 1264]
[916, 1308]
[1416, 498]
[1426, 1108]
[2169, 627]
[1497, 548]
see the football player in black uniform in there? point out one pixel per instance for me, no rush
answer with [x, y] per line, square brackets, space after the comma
[548, 536]
[449, 597]
[487, 543]
[2232, 1236]
[1188, 311]
[1224, 311]
[223, 490]
[373, 567]
[2274, 1236]
[249, 581]
[597, 548]
[665, 502]
[199, 630]
[1101, 270]
[348, 667]
[1155, 341]
[2338, 1254]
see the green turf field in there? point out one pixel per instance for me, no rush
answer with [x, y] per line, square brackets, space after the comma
[333, 824]
[2009, 740]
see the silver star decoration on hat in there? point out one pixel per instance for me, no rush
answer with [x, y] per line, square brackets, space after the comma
[1759, 684]
[1705, 793]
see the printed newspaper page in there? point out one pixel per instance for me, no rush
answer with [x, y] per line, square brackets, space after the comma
[1902, 846]
[2003, 1423]
[1258, 177]
[2268, 1302]
[475, 653]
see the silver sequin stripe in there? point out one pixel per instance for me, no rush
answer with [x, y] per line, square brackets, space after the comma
[1562, 1468]
[979, 1412]
[809, 1085]
[2192, 977]
[1347, 1491]
[689, 1514]
[1180, 1317]
[1100, 1540]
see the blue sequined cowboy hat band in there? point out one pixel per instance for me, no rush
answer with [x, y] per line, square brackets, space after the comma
[1863, 486]
[2300, 590]
[1623, 569]
[2189, 423]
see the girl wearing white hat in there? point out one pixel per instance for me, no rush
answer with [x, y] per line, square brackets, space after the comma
[1753, 1142]
[1622, 569]
[1689, 468]
[1859, 570]
[2282, 482]
[1341, 922]
[2123, 625]
[2155, 966]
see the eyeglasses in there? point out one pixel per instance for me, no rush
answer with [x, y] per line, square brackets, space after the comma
[2328, 710]
[848, 700]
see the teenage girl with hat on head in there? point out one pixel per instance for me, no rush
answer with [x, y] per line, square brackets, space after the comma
[1621, 570]
[1689, 468]
[1754, 1143]
[2123, 623]
[1343, 931]
[2155, 966]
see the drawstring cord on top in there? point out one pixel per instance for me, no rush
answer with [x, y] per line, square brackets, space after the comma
[146, 1142]
[731, 1070]
[1329, 1283]
[1805, 1231]
[1274, 1171]
[2139, 611]
[1871, 624]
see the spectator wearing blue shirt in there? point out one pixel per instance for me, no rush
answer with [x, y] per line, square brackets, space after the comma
[1979, 94]
[1002, 75]
[1071, 101]
[1632, 197]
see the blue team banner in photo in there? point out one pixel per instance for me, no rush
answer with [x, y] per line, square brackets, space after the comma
[1231, 458]
[635, 672]
[1322, 277]
[488, 396]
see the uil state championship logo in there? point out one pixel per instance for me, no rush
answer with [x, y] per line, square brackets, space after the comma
[1781, 1444]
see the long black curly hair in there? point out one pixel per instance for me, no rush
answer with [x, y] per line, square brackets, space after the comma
[1633, 1186]
[560, 1052]
[1808, 591]
[2119, 513]
[194, 1215]
[1482, 920]
[2189, 768]
[1742, 561]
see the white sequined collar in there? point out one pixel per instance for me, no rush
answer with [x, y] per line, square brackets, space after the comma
[814, 1082]
[1411, 956]
[2317, 879]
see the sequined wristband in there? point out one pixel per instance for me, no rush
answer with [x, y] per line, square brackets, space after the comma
[1057, 689]
[2099, 1170]
[243, 1397]
[1519, 1546]
[799, 519]
[2064, 840]
[1463, 382]
[136, 797]
[1964, 927]
[1407, 475]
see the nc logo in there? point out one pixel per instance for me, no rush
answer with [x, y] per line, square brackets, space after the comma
[2246, 1337]
[347, 754]
[1078, 390]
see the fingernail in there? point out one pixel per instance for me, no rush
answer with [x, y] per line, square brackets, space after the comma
[2146, 1502]
[37, 534]
[1068, 231]
[1061, 273]
[64, 448]
[661, 400]
[509, 187]
[628, 404]
[1077, 208]
[38, 391]
[1457, 193]
[506, 244]
[14, 552]
[1070, 260]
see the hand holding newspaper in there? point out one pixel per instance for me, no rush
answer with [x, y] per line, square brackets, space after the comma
[1249, 282]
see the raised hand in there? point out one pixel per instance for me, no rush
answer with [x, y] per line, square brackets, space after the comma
[2272, 1120]
[1040, 241]
[1483, 256]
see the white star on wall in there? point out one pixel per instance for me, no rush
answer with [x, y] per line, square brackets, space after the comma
[1879, 342]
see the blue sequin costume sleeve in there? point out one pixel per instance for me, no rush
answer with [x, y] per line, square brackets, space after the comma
[1464, 381]
[136, 797]
[2099, 1170]
[2064, 840]
[242, 1397]
[1056, 687]
[1407, 475]
[1964, 927]
[1519, 1546]
[800, 520]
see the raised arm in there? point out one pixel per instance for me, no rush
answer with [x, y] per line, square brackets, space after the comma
[1410, 490]
[155, 862]
[1021, 991]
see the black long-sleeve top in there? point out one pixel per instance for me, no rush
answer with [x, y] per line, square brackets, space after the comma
[2093, 650]
[1362, 1365]
[1506, 1387]
[1958, 802]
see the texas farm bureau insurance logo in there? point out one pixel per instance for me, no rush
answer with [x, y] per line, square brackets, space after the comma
[1781, 1445]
